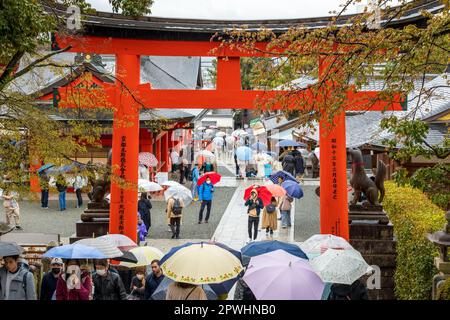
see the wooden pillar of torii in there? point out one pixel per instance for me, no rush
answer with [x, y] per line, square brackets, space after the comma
[228, 94]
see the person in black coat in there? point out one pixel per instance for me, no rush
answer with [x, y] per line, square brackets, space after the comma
[289, 164]
[144, 206]
[138, 284]
[356, 291]
[299, 164]
[49, 280]
[107, 285]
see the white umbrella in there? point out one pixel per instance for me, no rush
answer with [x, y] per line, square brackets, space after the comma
[218, 141]
[206, 153]
[317, 152]
[230, 139]
[200, 128]
[340, 266]
[179, 192]
[105, 246]
[209, 131]
[148, 186]
[171, 183]
[319, 243]
[145, 256]
[238, 132]
[119, 240]
[221, 134]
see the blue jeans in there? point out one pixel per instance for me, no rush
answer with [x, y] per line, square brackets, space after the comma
[285, 218]
[194, 189]
[62, 201]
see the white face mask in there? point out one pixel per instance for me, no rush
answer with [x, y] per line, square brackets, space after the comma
[140, 276]
[208, 182]
[101, 272]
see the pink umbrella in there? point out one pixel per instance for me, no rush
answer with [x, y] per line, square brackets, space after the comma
[279, 275]
[148, 159]
[276, 190]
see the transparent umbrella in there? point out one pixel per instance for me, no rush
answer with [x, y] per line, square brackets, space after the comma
[179, 192]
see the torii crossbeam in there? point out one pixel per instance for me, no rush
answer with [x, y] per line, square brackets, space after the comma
[228, 94]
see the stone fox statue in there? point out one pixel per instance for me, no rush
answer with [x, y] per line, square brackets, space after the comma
[101, 187]
[362, 183]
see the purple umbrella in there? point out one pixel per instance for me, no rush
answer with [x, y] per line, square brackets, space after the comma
[278, 275]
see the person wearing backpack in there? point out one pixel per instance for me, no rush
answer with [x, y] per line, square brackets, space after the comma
[16, 281]
[174, 212]
[269, 217]
[205, 194]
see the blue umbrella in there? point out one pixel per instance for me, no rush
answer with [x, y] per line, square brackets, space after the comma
[244, 153]
[260, 247]
[293, 189]
[218, 288]
[283, 174]
[63, 169]
[290, 143]
[74, 251]
[258, 146]
[160, 292]
[45, 167]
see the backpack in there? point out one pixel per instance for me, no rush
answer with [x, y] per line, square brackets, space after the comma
[270, 208]
[177, 208]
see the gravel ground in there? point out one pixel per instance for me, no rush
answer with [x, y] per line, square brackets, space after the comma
[307, 215]
[52, 221]
[190, 229]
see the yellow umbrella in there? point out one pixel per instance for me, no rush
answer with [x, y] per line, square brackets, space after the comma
[144, 255]
[202, 263]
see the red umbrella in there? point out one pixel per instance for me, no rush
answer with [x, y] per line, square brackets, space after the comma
[276, 190]
[263, 193]
[214, 176]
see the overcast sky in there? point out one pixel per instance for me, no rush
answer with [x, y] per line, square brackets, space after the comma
[238, 9]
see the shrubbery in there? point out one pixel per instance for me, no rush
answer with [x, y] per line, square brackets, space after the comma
[413, 216]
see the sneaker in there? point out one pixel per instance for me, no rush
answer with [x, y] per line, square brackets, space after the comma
[19, 228]
[249, 241]
[44, 207]
[199, 222]
[173, 236]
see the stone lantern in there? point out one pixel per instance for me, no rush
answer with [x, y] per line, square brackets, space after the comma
[442, 263]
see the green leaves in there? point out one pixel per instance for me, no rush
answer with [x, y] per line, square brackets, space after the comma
[132, 7]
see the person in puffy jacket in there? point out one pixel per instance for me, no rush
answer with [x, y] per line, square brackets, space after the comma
[205, 194]
[16, 281]
[289, 164]
[107, 285]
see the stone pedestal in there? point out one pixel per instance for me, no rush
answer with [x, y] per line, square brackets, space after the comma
[372, 234]
[94, 222]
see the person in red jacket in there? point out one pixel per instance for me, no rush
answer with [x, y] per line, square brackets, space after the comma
[74, 283]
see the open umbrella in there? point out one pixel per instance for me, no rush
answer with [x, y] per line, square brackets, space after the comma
[171, 183]
[148, 159]
[276, 190]
[340, 266]
[209, 131]
[230, 140]
[272, 154]
[75, 251]
[148, 186]
[161, 290]
[283, 174]
[144, 255]
[263, 193]
[200, 128]
[120, 241]
[45, 167]
[214, 176]
[260, 247]
[290, 143]
[279, 275]
[206, 154]
[293, 189]
[104, 246]
[201, 263]
[220, 134]
[218, 141]
[244, 153]
[179, 192]
[238, 132]
[319, 243]
[8, 249]
[258, 146]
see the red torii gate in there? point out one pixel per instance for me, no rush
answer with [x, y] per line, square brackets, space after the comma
[228, 94]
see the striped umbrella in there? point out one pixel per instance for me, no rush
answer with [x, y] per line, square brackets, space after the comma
[104, 246]
[120, 241]
[148, 159]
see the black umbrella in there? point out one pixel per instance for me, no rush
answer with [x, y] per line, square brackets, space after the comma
[8, 249]
[127, 257]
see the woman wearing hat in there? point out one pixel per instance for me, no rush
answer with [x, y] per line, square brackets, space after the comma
[254, 204]
[50, 279]
[74, 283]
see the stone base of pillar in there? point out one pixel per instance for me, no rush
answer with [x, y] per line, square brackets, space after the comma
[94, 222]
[372, 234]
